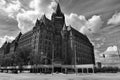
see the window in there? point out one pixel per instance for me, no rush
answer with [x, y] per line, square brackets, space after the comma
[40, 35]
[49, 42]
[34, 41]
[40, 41]
[34, 47]
[45, 42]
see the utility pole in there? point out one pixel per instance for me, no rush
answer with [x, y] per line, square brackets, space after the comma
[46, 63]
[52, 58]
[75, 60]
[117, 49]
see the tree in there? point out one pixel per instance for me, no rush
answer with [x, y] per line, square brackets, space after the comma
[1, 59]
[22, 56]
[35, 59]
[9, 59]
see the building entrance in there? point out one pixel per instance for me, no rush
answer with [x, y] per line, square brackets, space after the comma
[57, 69]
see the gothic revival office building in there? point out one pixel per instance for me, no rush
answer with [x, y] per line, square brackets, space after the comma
[56, 41]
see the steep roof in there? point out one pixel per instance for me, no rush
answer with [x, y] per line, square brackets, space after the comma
[44, 19]
[18, 37]
[75, 32]
[57, 12]
[58, 9]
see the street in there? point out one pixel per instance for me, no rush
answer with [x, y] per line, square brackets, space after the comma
[29, 76]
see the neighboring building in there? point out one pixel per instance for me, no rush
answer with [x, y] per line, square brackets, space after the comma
[53, 39]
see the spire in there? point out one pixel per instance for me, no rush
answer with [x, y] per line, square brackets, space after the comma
[20, 34]
[58, 10]
[44, 17]
[37, 22]
[5, 42]
[64, 27]
[18, 37]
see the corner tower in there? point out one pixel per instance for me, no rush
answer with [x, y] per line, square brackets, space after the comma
[58, 19]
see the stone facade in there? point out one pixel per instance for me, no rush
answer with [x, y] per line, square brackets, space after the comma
[53, 40]
[5, 49]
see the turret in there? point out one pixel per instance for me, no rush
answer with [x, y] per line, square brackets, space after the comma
[58, 10]
[58, 14]
[18, 37]
[37, 22]
[58, 19]
[64, 32]
[43, 18]
[64, 28]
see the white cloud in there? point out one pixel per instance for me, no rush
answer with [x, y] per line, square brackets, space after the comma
[35, 4]
[92, 25]
[2, 3]
[11, 8]
[115, 19]
[112, 48]
[75, 21]
[6, 38]
[41, 7]
[26, 20]
[111, 56]
[80, 23]
[52, 5]
[95, 23]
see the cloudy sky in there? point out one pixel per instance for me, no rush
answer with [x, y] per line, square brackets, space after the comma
[98, 19]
